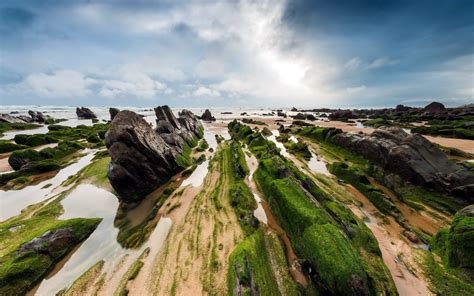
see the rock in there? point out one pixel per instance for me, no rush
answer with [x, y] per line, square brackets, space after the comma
[413, 158]
[281, 114]
[342, 114]
[10, 119]
[49, 243]
[467, 211]
[294, 109]
[266, 132]
[300, 116]
[435, 107]
[143, 159]
[207, 116]
[456, 243]
[401, 108]
[226, 112]
[243, 114]
[113, 112]
[37, 116]
[85, 113]
[25, 118]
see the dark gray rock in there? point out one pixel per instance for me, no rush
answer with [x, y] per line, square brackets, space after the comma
[342, 114]
[49, 243]
[142, 159]
[37, 116]
[113, 112]
[207, 116]
[413, 158]
[85, 113]
[435, 107]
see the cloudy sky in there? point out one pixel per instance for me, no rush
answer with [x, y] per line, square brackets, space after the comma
[274, 53]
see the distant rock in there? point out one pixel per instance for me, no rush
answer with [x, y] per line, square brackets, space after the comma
[226, 112]
[142, 159]
[413, 158]
[85, 113]
[300, 116]
[294, 109]
[243, 114]
[342, 114]
[113, 112]
[281, 114]
[207, 116]
[401, 108]
[435, 107]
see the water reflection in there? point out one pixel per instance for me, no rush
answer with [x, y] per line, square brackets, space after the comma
[13, 201]
[316, 165]
[197, 177]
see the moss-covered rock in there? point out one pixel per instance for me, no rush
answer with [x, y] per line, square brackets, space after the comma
[456, 243]
[336, 264]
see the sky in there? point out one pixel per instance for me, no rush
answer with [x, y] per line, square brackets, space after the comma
[277, 53]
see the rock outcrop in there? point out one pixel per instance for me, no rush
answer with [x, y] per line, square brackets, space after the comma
[113, 112]
[411, 157]
[85, 113]
[142, 159]
[207, 116]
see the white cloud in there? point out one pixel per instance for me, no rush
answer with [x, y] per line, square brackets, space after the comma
[203, 91]
[60, 83]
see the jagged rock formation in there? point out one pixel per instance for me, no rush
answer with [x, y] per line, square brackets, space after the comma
[38, 116]
[411, 157]
[113, 112]
[207, 116]
[142, 159]
[85, 113]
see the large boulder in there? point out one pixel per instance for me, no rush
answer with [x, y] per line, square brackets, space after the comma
[143, 159]
[413, 158]
[85, 113]
[140, 159]
[207, 116]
